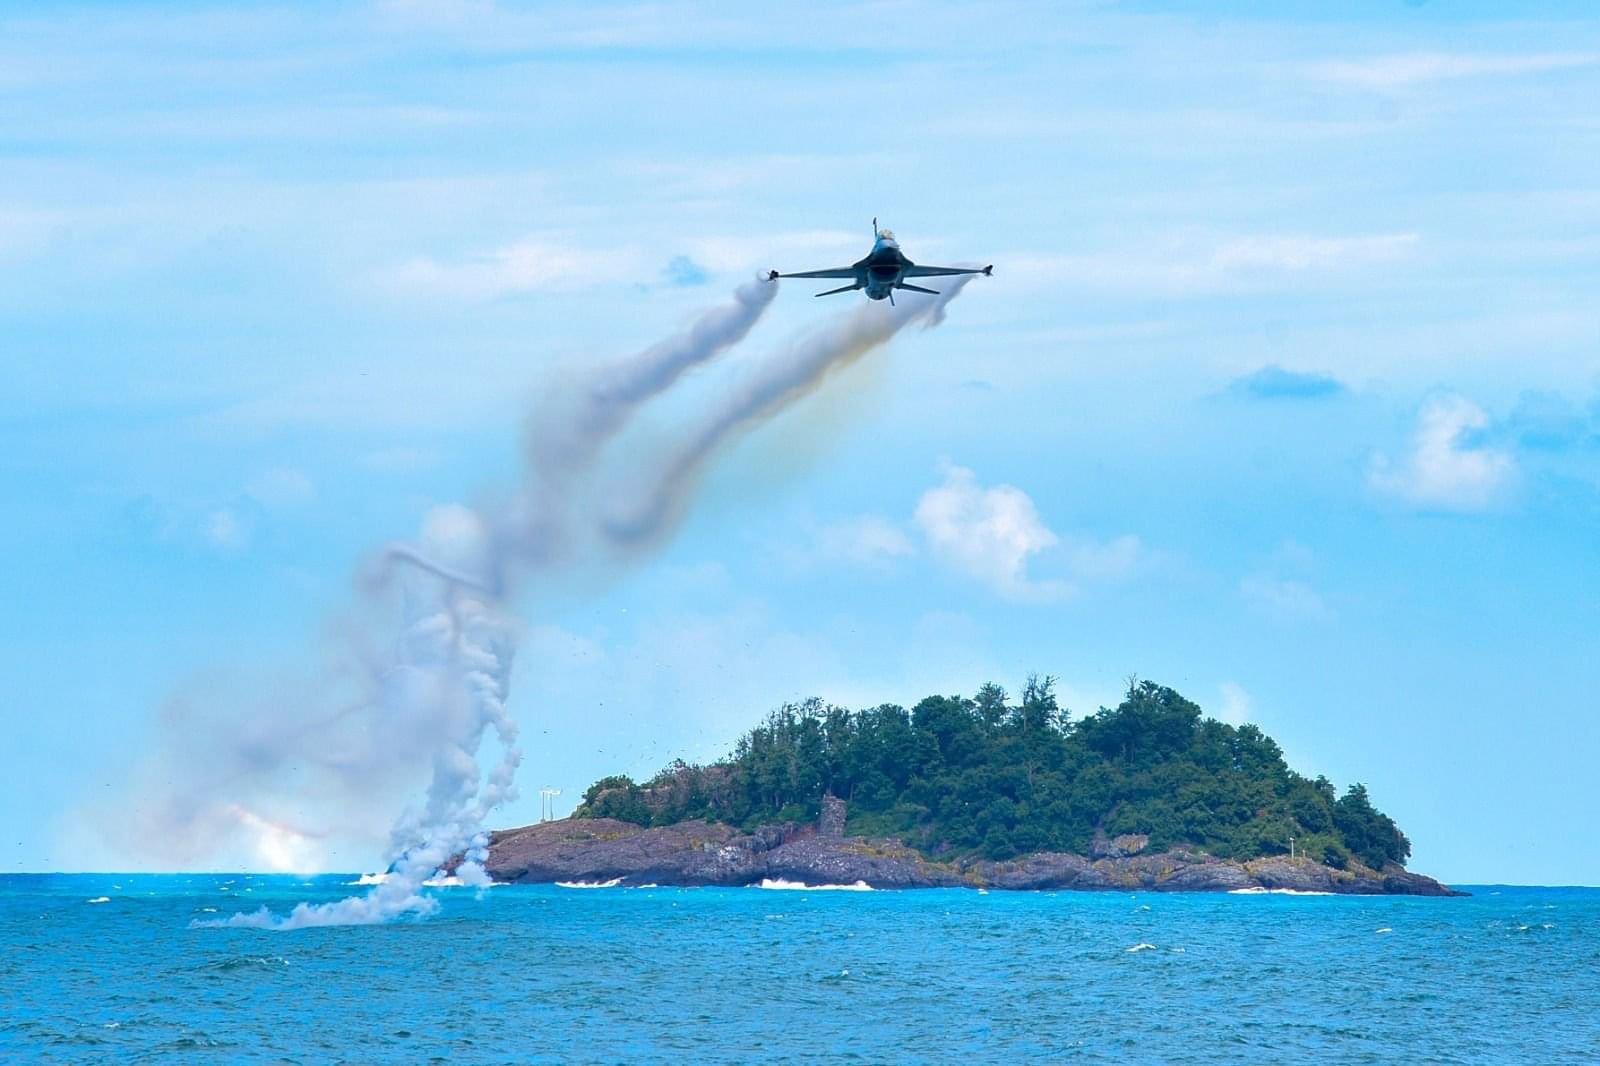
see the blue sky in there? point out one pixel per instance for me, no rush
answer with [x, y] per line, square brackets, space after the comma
[1284, 392]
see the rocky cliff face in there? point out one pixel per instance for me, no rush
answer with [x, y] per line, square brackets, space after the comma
[702, 853]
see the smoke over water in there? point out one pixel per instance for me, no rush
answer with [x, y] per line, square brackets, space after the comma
[416, 675]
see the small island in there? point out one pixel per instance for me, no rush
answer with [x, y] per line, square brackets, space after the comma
[980, 792]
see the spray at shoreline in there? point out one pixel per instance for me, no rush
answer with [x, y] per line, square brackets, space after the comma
[424, 665]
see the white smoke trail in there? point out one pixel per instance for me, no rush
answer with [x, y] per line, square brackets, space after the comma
[585, 416]
[775, 384]
[449, 667]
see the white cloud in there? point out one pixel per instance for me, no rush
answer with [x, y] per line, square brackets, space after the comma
[1413, 68]
[1236, 707]
[529, 265]
[1445, 469]
[988, 534]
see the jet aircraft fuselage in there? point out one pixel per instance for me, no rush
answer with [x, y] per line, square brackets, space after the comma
[882, 270]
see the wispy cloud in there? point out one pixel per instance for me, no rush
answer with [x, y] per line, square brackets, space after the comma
[870, 541]
[224, 529]
[24, 231]
[1290, 253]
[1186, 264]
[532, 264]
[724, 254]
[1448, 468]
[281, 488]
[1412, 68]
[1282, 598]
[1236, 706]
[1280, 588]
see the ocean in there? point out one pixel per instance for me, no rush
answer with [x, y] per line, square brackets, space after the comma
[107, 968]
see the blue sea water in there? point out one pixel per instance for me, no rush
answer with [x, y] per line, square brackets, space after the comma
[549, 974]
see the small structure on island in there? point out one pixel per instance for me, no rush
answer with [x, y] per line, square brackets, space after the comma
[547, 804]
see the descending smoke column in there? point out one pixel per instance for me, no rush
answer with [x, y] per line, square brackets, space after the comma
[440, 672]
[444, 673]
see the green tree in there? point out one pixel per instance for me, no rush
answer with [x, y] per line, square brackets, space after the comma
[986, 776]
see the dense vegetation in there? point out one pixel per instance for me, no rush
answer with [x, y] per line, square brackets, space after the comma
[985, 776]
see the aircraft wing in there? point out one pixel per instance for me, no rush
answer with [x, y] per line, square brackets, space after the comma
[939, 272]
[842, 272]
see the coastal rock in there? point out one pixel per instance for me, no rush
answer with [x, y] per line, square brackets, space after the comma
[604, 849]
[830, 823]
[1118, 847]
[880, 863]
[705, 853]
[1045, 870]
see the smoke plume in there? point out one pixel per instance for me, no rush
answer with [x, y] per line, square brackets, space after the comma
[416, 674]
[775, 384]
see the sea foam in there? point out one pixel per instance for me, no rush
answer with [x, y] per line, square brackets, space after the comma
[780, 884]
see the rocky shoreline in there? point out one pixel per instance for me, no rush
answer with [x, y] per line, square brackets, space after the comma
[601, 850]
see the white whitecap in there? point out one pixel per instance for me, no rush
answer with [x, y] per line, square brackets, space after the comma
[1142, 947]
[613, 883]
[369, 879]
[100, 899]
[781, 885]
[1385, 929]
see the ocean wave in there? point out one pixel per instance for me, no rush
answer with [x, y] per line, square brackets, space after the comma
[368, 880]
[246, 962]
[780, 884]
[1257, 890]
[99, 899]
[1141, 947]
[613, 883]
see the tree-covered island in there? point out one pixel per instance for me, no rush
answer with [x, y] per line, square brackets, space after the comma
[984, 790]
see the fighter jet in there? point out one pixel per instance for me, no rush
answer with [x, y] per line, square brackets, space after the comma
[884, 270]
